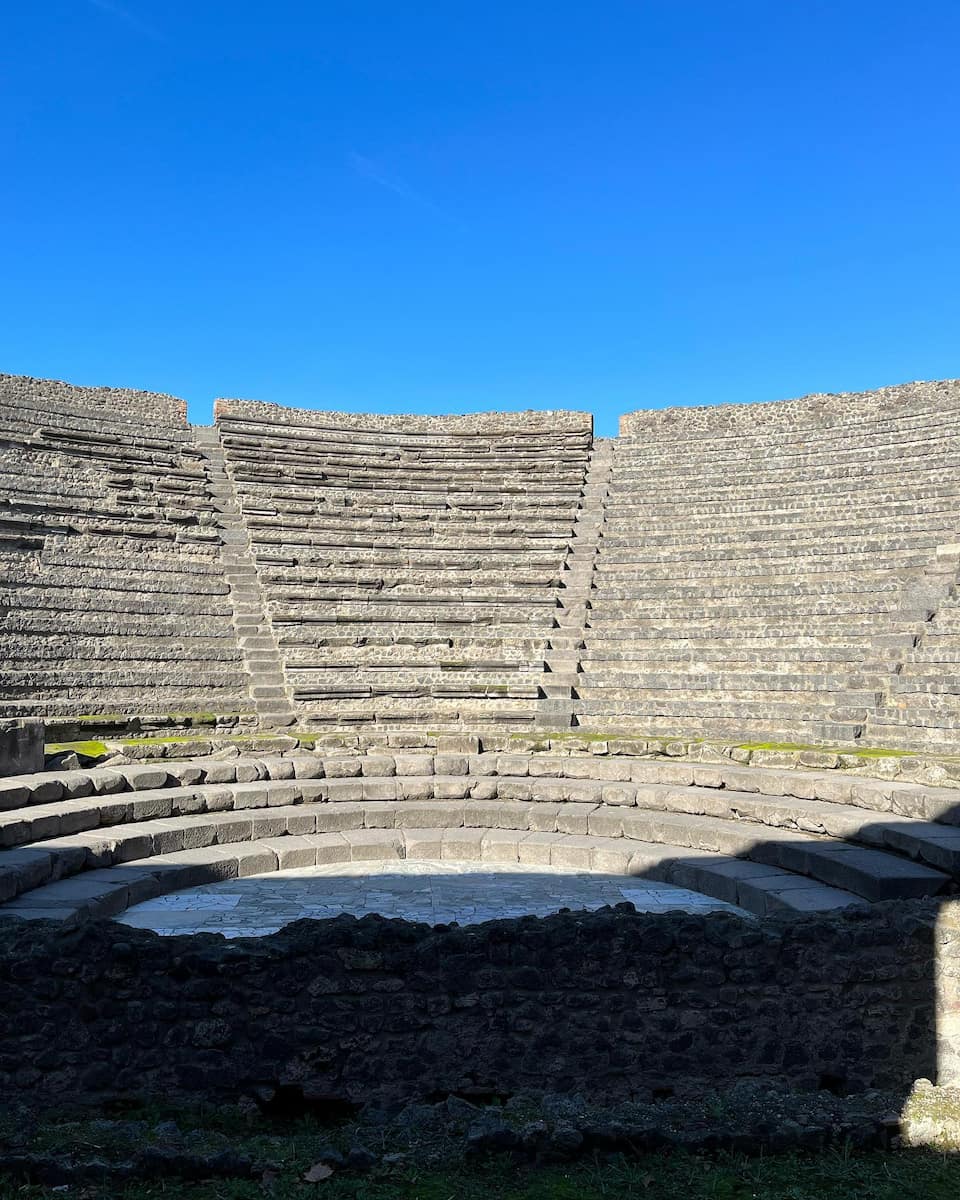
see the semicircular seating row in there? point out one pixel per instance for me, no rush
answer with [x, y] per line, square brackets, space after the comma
[89, 843]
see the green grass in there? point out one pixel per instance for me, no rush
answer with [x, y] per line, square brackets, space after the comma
[87, 749]
[911, 1175]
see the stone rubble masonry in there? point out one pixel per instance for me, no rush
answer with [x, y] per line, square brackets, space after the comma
[45, 394]
[21, 746]
[551, 421]
[819, 410]
[610, 1004]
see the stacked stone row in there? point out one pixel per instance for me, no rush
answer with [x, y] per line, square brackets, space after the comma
[410, 567]
[782, 572]
[111, 591]
[88, 843]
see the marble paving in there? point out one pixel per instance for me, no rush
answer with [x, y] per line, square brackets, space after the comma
[433, 892]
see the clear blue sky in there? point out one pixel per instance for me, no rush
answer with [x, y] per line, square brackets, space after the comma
[439, 206]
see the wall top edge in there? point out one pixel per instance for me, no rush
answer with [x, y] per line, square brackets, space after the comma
[53, 395]
[528, 421]
[815, 410]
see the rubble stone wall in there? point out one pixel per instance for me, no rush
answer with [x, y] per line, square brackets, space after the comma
[817, 411]
[610, 1004]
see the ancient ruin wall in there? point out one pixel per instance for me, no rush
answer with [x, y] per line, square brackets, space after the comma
[816, 411]
[49, 396]
[610, 1004]
[486, 423]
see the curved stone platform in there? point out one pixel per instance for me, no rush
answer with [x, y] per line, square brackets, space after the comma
[422, 890]
[90, 843]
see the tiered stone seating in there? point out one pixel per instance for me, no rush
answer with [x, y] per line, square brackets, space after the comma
[112, 599]
[410, 566]
[90, 842]
[764, 570]
[921, 704]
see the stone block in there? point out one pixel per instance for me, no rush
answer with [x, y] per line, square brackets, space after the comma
[374, 845]
[335, 818]
[413, 764]
[575, 818]
[255, 859]
[21, 745]
[292, 853]
[463, 844]
[423, 843]
[619, 794]
[501, 845]
[377, 766]
[452, 787]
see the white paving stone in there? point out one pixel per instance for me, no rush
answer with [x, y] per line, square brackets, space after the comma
[433, 892]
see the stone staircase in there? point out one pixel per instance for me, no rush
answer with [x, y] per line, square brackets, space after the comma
[254, 632]
[563, 658]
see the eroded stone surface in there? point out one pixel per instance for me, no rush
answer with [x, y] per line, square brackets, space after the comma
[431, 891]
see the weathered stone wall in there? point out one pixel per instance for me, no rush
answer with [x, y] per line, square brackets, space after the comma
[487, 423]
[51, 395]
[817, 411]
[612, 1003]
[21, 746]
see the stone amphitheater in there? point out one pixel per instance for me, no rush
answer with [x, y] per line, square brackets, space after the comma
[624, 765]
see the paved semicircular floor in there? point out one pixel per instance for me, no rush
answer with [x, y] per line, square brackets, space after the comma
[434, 892]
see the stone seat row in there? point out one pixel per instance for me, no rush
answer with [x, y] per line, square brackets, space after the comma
[305, 456]
[734, 488]
[786, 438]
[769, 466]
[796, 436]
[665, 608]
[448, 520]
[344, 439]
[609, 587]
[537, 575]
[833, 844]
[334, 548]
[267, 475]
[738, 530]
[625, 566]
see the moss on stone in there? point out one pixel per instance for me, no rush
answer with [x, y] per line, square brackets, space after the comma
[84, 749]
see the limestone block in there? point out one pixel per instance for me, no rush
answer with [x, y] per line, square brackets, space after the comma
[413, 764]
[377, 766]
[374, 844]
[251, 795]
[331, 848]
[341, 767]
[619, 794]
[416, 788]
[485, 789]
[453, 787]
[501, 845]
[291, 852]
[482, 813]
[423, 843]
[441, 814]
[450, 764]
[575, 818]
[335, 818]
[463, 844]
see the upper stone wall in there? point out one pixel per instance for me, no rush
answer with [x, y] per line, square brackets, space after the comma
[485, 424]
[48, 396]
[817, 411]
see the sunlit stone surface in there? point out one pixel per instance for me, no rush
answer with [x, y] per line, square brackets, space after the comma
[434, 892]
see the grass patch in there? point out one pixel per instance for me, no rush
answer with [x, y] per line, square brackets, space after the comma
[87, 749]
[913, 1175]
[271, 1155]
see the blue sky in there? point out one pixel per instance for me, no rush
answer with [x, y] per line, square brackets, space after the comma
[441, 206]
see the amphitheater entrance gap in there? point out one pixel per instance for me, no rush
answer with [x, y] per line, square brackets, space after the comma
[430, 891]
